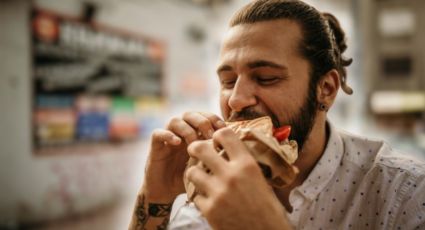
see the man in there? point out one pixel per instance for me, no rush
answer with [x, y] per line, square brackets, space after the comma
[283, 59]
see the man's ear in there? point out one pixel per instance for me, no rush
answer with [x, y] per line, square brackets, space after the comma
[328, 87]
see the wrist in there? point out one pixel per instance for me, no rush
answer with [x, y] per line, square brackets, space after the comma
[155, 196]
[149, 214]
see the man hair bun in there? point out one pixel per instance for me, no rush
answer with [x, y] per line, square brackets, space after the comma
[341, 46]
[337, 31]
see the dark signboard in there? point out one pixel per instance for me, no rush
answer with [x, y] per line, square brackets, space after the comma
[91, 83]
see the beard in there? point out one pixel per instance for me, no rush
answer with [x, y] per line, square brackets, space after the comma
[301, 122]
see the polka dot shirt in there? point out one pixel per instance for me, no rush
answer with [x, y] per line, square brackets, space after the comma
[358, 183]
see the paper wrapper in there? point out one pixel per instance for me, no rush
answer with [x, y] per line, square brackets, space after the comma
[275, 159]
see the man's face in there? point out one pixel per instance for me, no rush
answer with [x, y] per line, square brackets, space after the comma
[262, 72]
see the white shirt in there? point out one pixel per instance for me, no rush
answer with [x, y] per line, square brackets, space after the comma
[358, 183]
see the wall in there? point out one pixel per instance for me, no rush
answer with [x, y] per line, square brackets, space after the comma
[35, 188]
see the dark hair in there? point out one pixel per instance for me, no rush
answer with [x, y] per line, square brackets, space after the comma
[323, 40]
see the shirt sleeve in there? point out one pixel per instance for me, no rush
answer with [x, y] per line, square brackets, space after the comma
[411, 214]
[188, 217]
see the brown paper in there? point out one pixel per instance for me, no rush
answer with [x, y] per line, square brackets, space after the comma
[275, 159]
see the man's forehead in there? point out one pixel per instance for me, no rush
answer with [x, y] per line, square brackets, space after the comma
[268, 39]
[278, 35]
[278, 28]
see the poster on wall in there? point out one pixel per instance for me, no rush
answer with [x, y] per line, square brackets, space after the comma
[91, 83]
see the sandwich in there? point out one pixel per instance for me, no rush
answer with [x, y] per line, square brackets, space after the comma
[270, 147]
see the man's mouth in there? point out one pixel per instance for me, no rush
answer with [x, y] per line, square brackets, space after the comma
[245, 114]
[234, 116]
[250, 114]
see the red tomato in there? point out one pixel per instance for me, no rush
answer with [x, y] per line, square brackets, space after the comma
[282, 133]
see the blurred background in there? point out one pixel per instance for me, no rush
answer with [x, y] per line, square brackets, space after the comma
[84, 82]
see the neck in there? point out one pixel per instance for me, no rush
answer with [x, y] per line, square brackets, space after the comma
[307, 159]
[312, 150]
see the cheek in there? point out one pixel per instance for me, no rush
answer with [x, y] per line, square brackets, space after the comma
[285, 105]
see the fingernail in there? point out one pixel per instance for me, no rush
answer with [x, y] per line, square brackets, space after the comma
[176, 140]
[210, 133]
[220, 123]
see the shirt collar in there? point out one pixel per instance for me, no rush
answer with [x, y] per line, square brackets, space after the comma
[325, 169]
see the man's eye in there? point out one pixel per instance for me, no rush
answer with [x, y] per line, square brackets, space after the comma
[228, 84]
[267, 80]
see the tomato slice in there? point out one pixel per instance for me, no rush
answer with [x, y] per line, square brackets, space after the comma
[282, 133]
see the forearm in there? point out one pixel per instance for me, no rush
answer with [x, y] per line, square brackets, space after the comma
[149, 214]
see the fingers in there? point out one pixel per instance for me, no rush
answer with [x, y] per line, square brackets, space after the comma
[161, 136]
[195, 125]
[183, 130]
[229, 141]
[201, 203]
[199, 178]
[200, 123]
[217, 122]
[204, 151]
[204, 122]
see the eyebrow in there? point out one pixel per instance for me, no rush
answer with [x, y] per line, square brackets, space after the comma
[253, 65]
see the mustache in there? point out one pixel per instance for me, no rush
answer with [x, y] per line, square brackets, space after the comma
[250, 114]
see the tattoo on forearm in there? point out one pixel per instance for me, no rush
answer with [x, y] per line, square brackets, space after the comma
[152, 210]
[142, 216]
[159, 210]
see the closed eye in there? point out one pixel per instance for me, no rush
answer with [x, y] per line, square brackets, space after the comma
[267, 80]
[228, 84]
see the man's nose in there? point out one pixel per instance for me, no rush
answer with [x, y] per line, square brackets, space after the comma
[243, 95]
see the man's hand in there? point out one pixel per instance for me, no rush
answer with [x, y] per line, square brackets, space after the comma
[235, 195]
[168, 155]
[165, 166]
